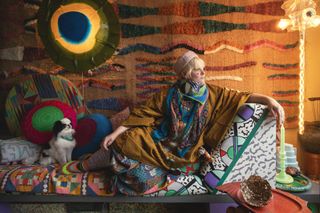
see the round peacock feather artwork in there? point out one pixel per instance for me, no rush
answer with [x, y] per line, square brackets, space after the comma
[78, 34]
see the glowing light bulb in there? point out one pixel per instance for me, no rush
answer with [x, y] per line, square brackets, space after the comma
[284, 23]
[315, 21]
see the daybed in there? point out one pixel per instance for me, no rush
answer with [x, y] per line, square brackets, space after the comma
[249, 147]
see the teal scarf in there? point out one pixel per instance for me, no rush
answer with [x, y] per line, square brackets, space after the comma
[193, 90]
[186, 113]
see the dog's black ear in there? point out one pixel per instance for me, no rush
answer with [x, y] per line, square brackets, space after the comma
[57, 127]
[45, 146]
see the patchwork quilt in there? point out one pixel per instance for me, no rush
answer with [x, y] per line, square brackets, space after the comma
[249, 147]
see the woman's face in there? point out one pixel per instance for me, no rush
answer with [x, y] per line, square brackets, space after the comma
[198, 75]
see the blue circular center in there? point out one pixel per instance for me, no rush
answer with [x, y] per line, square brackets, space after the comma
[74, 27]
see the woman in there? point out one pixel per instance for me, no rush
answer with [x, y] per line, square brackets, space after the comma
[167, 133]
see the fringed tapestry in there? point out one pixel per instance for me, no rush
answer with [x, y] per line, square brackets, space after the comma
[239, 40]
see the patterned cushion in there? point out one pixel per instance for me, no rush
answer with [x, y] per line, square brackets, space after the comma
[183, 185]
[248, 148]
[89, 133]
[39, 179]
[35, 89]
[33, 179]
[38, 123]
[91, 183]
[17, 149]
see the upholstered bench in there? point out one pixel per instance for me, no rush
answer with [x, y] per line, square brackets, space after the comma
[249, 147]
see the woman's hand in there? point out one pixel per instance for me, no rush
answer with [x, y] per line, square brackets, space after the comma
[276, 110]
[109, 139]
[274, 107]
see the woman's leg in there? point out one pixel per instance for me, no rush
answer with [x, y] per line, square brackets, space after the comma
[98, 160]
[136, 178]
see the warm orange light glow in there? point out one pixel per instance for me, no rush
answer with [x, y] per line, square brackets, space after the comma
[284, 23]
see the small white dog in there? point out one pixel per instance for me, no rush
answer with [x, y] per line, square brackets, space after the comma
[61, 145]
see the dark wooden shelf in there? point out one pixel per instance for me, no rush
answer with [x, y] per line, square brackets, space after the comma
[312, 196]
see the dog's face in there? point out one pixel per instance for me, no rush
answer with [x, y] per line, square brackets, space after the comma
[63, 128]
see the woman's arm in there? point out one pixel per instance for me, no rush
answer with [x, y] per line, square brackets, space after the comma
[109, 139]
[274, 107]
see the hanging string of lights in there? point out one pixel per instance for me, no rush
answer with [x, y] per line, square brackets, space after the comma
[301, 15]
